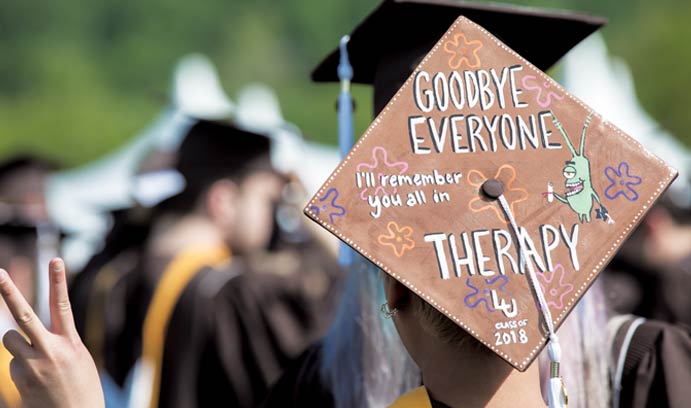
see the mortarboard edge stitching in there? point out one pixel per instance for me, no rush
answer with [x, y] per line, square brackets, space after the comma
[604, 260]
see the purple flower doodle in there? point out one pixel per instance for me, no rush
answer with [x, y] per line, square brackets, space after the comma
[621, 182]
[333, 209]
[553, 286]
[482, 298]
[484, 295]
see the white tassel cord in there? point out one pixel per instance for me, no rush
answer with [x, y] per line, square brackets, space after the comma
[557, 392]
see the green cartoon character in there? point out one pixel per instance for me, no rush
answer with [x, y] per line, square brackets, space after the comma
[579, 193]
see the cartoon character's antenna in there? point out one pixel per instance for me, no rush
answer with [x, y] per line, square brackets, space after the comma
[566, 137]
[585, 127]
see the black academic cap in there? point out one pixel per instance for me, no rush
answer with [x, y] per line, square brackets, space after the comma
[213, 150]
[412, 27]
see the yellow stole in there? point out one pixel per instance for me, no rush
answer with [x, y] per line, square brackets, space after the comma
[8, 391]
[175, 278]
[417, 398]
[94, 331]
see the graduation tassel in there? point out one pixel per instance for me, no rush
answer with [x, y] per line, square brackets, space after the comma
[345, 125]
[557, 396]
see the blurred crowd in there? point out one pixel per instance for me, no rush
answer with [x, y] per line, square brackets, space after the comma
[196, 281]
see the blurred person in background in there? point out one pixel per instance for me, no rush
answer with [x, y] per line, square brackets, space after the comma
[259, 309]
[648, 285]
[109, 300]
[142, 293]
[110, 294]
[113, 294]
[24, 227]
[651, 275]
[215, 215]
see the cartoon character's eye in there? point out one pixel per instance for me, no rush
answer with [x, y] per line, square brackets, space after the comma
[569, 172]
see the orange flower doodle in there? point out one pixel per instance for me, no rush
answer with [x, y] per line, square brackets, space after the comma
[462, 50]
[513, 195]
[397, 238]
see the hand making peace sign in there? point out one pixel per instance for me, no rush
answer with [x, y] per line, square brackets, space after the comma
[53, 368]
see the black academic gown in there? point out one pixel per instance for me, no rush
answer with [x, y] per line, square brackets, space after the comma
[301, 384]
[657, 365]
[234, 330]
[110, 295]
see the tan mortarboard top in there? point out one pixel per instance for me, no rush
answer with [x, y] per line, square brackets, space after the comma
[408, 196]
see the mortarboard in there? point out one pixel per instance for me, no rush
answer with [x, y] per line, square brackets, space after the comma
[385, 46]
[212, 150]
[486, 188]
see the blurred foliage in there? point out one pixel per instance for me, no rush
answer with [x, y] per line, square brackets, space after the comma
[78, 78]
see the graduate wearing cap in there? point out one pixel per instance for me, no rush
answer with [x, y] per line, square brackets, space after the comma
[201, 226]
[452, 191]
[113, 295]
[222, 328]
[383, 51]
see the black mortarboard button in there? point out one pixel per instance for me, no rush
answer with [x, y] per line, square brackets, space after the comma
[493, 188]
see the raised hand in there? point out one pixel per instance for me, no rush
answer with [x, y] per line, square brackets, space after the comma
[53, 368]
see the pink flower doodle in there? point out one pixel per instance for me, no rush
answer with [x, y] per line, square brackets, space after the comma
[329, 206]
[380, 165]
[621, 182]
[554, 289]
[542, 100]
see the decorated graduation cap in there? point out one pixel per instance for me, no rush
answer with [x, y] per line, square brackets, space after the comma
[482, 185]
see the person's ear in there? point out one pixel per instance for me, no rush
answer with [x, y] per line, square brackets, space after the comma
[221, 201]
[397, 295]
